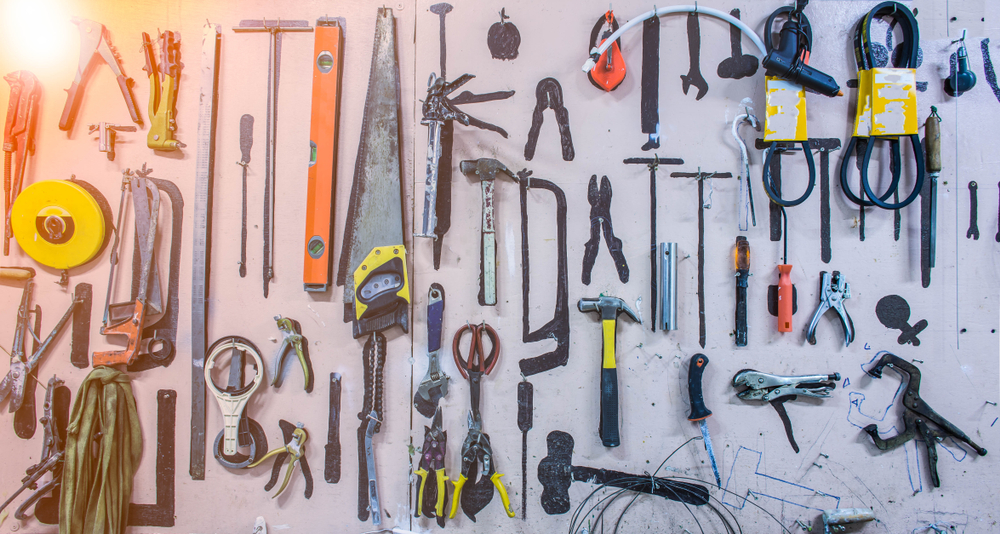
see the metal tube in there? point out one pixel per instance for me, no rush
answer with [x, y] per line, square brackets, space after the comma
[668, 286]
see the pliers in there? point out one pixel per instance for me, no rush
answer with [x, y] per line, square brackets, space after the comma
[476, 449]
[291, 332]
[432, 465]
[916, 417]
[295, 449]
[778, 390]
[94, 44]
[833, 291]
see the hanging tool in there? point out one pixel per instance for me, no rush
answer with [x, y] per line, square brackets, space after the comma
[791, 59]
[23, 368]
[742, 261]
[865, 53]
[331, 467]
[55, 416]
[246, 143]
[525, 420]
[208, 100]
[609, 71]
[292, 338]
[485, 170]
[600, 219]
[434, 386]
[373, 258]
[275, 28]
[549, 95]
[328, 67]
[438, 110]
[653, 164]
[746, 196]
[373, 503]
[668, 287]
[163, 81]
[476, 448]
[556, 473]
[973, 232]
[839, 517]
[962, 78]
[431, 498]
[699, 412]
[932, 140]
[95, 44]
[916, 417]
[778, 390]
[18, 140]
[237, 427]
[609, 308]
[107, 133]
[786, 290]
[17, 273]
[295, 450]
[833, 291]
[130, 318]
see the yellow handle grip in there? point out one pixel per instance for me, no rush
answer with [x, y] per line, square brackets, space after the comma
[439, 507]
[454, 498]
[422, 473]
[608, 326]
[503, 493]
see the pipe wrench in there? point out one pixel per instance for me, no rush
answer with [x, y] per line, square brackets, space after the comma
[18, 139]
[434, 386]
[129, 318]
[163, 80]
[95, 44]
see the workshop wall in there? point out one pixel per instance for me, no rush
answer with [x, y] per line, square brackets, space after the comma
[767, 485]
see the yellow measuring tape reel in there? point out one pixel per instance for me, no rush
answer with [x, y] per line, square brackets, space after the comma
[60, 223]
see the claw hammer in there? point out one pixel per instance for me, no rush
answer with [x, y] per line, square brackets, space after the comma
[485, 171]
[609, 308]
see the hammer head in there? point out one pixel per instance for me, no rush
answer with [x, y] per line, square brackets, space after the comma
[484, 168]
[609, 307]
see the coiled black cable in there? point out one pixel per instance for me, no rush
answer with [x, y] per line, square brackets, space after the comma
[865, 58]
[804, 32]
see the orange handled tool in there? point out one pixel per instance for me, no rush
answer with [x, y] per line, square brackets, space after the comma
[784, 298]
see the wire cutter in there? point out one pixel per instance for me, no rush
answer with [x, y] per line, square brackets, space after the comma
[916, 416]
[432, 466]
[833, 291]
[777, 390]
[291, 332]
[295, 450]
[95, 44]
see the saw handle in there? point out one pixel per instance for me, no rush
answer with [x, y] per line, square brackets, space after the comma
[695, 372]
[609, 388]
[785, 298]
[71, 107]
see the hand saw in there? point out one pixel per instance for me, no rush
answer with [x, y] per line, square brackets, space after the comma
[129, 318]
[373, 259]
[18, 139]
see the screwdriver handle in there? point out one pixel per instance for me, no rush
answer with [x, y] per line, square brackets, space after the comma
[608, 427]
[695, 371]
[784, 298]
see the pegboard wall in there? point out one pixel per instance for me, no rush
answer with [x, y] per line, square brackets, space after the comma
[568, 135]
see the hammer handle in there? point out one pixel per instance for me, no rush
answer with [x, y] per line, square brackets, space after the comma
[609, 388]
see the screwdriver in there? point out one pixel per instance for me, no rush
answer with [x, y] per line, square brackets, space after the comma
[699, 412]
[932, 139]
[16, 273]
[742, 257]
[785, 289]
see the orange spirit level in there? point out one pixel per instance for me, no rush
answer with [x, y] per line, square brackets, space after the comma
[327, 71]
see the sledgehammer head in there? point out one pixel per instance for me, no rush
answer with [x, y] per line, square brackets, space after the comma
[609, 307]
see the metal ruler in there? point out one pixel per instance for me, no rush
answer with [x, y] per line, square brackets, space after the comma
[204, 172]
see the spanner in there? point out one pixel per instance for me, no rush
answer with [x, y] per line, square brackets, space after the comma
[434, 386]
[233, 403]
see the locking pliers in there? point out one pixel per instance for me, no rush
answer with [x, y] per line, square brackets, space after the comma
[833, 291]
[777, 390]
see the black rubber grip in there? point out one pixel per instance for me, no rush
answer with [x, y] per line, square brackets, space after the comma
[695, 372]
[609, 408]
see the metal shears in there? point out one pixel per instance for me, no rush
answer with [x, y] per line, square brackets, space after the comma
[478, 363]
[432, 466]
[292, 338]
[294, 449]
